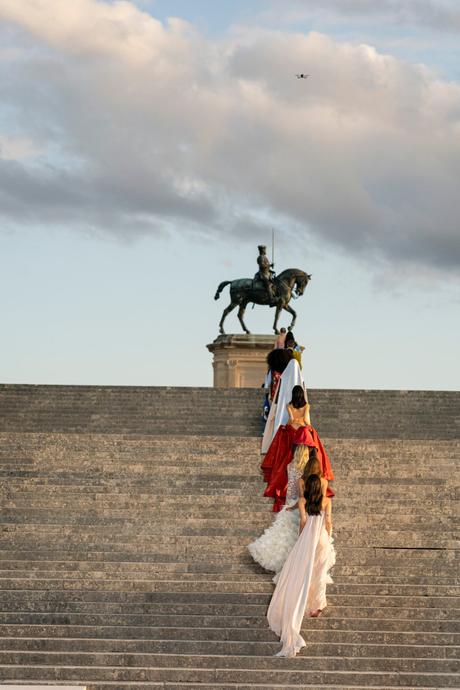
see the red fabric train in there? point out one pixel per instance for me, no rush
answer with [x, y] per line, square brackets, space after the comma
[280, 454]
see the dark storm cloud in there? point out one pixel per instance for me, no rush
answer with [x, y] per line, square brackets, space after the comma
[137, 127]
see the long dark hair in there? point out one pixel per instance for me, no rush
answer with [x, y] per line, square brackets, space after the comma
[313, 495]
[290, 340]
[278, 359]
[298, 397]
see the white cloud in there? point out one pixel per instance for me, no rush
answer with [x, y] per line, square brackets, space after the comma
[146, 127]
[17, 149]
[439, 15]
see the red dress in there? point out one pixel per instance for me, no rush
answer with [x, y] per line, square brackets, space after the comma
[275, 378]
[280, 454]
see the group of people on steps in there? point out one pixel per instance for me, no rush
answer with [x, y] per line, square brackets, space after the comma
[298, 545]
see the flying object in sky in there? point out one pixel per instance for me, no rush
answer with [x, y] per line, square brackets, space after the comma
[302, 76]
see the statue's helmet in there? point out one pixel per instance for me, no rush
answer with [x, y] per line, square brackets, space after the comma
[262, 247]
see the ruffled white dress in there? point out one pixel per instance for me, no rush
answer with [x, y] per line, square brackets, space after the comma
[272, 548]
[302, 584]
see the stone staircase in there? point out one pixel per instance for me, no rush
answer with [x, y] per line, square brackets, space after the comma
[363, 414]
[123, 560]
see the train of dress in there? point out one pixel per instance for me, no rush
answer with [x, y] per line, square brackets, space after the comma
[272, 548]
[301, 584]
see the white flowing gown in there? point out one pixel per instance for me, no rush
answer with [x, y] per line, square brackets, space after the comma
[291, 376]
[301, 584]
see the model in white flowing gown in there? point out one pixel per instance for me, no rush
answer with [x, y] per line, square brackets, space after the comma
[291, 376]
[302, 582]
[272, 548]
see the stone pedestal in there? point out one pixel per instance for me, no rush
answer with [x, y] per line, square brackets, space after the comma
[239, 361]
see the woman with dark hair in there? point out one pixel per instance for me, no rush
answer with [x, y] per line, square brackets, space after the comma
[289, 441]
[313, 466]
[272, 548]
[281, 393]
[298, 400]
[302, 582]
[291, 345]
[277, 361]
[299, 417]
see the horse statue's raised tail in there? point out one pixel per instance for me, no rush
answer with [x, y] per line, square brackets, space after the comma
[289, 283]
[221, 287]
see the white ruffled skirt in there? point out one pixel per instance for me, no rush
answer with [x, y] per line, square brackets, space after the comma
[272, 548]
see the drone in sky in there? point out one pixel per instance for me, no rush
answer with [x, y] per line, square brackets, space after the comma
[302, 76]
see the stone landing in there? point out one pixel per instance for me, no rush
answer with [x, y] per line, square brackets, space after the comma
[239, 361]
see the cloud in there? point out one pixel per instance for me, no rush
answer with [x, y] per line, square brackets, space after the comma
[12, 148]
[134, 127]
[438, 15]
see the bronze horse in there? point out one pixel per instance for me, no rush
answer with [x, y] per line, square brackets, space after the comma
[289, 283]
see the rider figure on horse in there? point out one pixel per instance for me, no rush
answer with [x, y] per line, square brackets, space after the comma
[265, 273]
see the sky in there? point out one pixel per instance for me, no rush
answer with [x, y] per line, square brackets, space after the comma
[147, 148]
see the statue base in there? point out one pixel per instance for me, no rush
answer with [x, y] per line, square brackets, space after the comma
[239, 361]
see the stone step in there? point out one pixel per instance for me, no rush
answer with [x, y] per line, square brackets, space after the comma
[242, 468]
[150, 446]
[418, 414]
[107, 451]
[217, 484]
[136, 685]
[212, 475]
[55, 637]
[104, 527]
[416, 573]
[245, 587]
[248, 669]
[204, 546]
[147, 597]
[384, 561]
[229, 645]
[215, 573]
[252, 524]
[101, 579]
[252, 656]
[206, 513]
[203, 513]
[234, 686]
[330, 622]
[436, 608]
[242, 465]
[14, 441]
[211, 496]
[343, 576]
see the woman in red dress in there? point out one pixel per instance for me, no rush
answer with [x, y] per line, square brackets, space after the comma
[297, 432]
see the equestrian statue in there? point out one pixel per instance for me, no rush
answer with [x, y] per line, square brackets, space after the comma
[265, 288]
